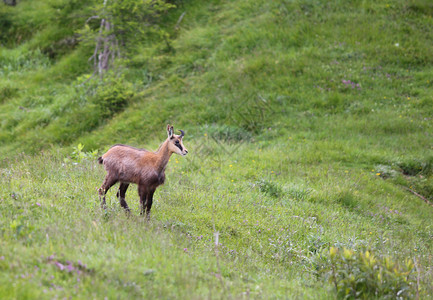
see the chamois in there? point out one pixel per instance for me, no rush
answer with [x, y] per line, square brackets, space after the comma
[126, 164]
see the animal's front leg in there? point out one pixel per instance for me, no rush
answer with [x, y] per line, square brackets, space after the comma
[149, 201]
[142, 193]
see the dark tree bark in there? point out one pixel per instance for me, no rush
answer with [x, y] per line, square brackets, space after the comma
[107, 47]
[10, 2]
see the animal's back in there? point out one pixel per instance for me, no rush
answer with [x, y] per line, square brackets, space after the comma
[125, 161]
[123, 152]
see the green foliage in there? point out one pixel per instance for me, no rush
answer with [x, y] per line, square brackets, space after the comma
[21, 60]
[275, 190]
[413, 167]
[78, 155]
[111, 95]
[25, 20]
[413, 173]
[118, 25]
[7, 91]
[93, 103]
[69, 67]
[421, 7]
[304, 130]
[270, 188]
[361, 275]
[264, 240]
[425, 187]
[130, 16]
[347, 200]
[5, 25]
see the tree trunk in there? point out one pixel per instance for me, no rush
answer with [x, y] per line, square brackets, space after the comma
[104, 55]
[10, 2]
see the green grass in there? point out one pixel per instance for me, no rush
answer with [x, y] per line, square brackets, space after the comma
[308, 124]
[268, 240]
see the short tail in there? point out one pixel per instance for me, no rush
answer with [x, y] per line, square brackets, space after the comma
[100, 160]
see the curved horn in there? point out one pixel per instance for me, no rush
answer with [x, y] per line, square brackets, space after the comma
[182, 133]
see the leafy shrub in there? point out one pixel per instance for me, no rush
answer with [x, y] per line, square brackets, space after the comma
[5, 25]
[421, 7]
[362, 275]
[111, 95]
[21, 227]
[270, 188]
[275, 190]
[7, 92]
[78, 155]
[316, 243]
[414, 167]
[119, 26]
[93, 102]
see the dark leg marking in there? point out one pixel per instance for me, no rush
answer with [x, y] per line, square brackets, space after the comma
[142, 193]
[121, 195]
[149, 201]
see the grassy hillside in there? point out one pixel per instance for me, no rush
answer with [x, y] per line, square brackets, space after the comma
[310, 166]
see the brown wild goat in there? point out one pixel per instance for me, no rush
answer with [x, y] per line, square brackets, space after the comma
[126, 164]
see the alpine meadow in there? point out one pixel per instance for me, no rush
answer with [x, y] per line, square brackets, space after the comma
[309, 129]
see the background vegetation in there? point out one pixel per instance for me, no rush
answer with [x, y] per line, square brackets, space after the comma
[309, 130]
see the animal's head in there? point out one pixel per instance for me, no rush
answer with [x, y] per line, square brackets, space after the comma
[175, 143]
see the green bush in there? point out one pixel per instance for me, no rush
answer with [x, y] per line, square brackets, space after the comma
[7, 92]
[362, 275]
[89, 106]
[78, 155]
[110, 95]
[5, 25]
[270, 188]
[414, 167]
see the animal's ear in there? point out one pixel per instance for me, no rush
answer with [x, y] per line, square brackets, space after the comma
[170, 131]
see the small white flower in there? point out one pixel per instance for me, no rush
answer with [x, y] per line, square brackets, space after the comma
[396, 44]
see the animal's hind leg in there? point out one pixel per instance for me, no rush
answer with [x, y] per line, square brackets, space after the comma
[109, 181]
[121, 195]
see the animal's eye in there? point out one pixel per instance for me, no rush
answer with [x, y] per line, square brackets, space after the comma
[177, 142]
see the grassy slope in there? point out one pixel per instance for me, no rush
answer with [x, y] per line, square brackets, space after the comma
[270, 73]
